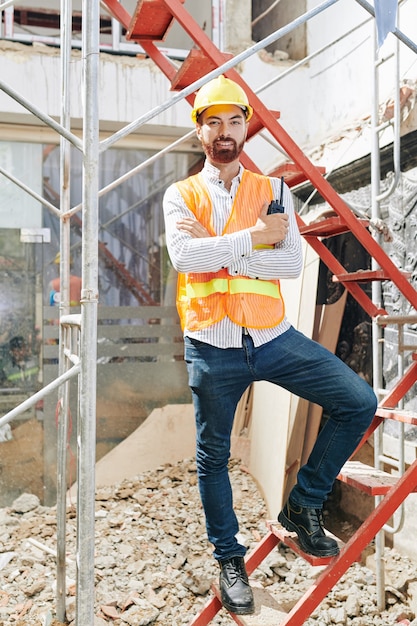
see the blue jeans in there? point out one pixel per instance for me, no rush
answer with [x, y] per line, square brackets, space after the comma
[218, 378]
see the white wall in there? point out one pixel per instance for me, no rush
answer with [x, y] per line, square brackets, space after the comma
[128, 87]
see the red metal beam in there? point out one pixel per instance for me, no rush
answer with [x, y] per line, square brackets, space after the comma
[296, 154]
[151, 20]
[210, 610]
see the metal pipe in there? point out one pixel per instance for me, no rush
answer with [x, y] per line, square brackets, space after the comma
[86, 430]
[383, 320]
[116, 30]
[131, 49]
[64, 288]
[215, 24]
[71, 356]
[6, 4]
[32, 193]
[39, 395]
[73, 319]
[396, 127]
[376, 198]
[375, 190]
[8, 20]
[376, 299]
[49, 121]
[398, 522]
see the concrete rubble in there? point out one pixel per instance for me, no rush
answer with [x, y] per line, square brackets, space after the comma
[153, 565]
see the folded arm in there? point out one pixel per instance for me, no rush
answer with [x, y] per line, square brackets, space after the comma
[193, 249]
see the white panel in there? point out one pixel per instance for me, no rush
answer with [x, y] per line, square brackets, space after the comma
[274, 409]
[17, 208]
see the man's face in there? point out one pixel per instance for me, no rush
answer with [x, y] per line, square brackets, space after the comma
[222, 131]
[19, 354]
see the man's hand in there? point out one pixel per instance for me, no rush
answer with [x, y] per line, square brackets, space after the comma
[192, 227]
[269, 229]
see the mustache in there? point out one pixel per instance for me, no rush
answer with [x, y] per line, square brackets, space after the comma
[222, 138]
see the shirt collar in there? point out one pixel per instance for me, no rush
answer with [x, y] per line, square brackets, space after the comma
[211, 173]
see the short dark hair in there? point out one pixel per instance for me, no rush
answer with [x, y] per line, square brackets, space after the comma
[17, 342]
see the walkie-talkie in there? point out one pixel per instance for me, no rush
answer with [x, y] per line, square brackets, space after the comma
[276, 205]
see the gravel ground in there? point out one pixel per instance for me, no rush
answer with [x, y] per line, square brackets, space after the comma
[153, 564]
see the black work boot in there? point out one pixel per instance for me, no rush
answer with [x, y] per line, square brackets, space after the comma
[308, 524]
[236, 594]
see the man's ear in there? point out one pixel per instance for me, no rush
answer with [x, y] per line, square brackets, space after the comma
[198, 131]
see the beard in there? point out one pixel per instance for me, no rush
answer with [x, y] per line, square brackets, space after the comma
[221, 155]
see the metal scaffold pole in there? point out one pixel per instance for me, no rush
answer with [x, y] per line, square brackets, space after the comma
[64, 273]
[86, 432]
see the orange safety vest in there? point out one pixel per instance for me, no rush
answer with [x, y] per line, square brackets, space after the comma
[204, 298]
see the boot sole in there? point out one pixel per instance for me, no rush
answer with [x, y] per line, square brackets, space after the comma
[290, 526]
[244, 610]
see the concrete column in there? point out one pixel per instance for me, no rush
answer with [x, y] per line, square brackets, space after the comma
[237, 25]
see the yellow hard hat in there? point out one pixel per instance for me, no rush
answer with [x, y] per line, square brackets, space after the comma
[57, 259]
[221, 90]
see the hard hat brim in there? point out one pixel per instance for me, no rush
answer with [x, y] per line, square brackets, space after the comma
[195, 113]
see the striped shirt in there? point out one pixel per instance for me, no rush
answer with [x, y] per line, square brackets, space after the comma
[233, 251]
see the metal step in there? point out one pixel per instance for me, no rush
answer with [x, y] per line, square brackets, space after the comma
[151, 20]
[367, 479]
[365, 276]
[291, 540]
[397, 415]
[292, 174]
[196, 65]
[268, 611]
[328, 227]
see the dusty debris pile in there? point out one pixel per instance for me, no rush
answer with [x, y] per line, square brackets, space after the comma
[153, 564]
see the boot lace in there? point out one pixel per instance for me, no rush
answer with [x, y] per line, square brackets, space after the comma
[319, 521]
[235, 570]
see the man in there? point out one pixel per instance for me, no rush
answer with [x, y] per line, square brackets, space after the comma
[54, 287]
[24, 367]
[230, 255]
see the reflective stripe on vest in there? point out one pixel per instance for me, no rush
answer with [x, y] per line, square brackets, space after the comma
[233, 286]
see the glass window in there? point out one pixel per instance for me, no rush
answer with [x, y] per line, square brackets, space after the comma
[139, 353]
